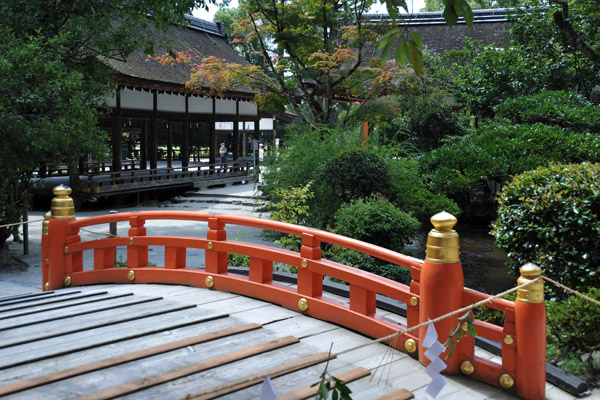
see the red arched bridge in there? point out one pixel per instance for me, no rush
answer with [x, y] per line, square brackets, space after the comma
[435, 290]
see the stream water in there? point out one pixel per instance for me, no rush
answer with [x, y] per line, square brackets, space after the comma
[483, 263]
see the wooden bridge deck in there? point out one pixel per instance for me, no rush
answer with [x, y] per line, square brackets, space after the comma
[102, 342]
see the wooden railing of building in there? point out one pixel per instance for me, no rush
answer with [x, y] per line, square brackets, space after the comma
[436, 287]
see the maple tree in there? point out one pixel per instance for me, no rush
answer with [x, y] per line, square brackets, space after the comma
[311, 55]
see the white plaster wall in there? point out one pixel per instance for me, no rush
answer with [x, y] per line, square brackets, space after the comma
[136, 100]
[248, 108]
[199, 105]
[225, 106]
[171, 103]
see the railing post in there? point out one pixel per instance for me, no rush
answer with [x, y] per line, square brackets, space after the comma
[442, 284]
[309, 283]
[62, 212]
[137, 256]
[530, 324]
[216, 261]
[45, 249]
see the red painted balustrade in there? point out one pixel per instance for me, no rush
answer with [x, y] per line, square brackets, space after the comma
[436, 287]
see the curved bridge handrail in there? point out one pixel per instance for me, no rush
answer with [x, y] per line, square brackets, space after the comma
[254, 222]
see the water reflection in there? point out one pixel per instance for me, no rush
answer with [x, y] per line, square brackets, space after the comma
[483, 263]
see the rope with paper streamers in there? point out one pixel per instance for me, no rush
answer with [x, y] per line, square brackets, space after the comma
[393, 336]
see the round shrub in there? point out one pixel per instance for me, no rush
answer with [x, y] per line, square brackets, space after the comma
[550, 216]
[429, 119]
[356, 174]
[377, 221]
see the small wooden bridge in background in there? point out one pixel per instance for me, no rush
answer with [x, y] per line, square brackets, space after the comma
[118, 336]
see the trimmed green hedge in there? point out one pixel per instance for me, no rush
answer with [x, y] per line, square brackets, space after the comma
[564, 109]
[550, 216]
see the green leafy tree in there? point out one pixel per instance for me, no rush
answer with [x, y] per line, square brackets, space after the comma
[52, 79]
[551, 49]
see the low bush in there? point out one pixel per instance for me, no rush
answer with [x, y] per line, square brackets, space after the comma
[550, 216]
[375, 220]
[573, 335]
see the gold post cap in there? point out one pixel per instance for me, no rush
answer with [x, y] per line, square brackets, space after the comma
[530, 270]
[62, 204]
[442, 241]
[534, 292]
[443, 221]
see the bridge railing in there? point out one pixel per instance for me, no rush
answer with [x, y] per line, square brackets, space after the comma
[436, 287]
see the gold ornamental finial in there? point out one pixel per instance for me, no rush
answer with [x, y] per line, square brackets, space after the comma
[443, 222]
[534, 292]
[46, 223]
[442, 241]
[62, 204]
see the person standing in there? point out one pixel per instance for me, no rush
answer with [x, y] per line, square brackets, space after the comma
[261, 157]
[223, 155]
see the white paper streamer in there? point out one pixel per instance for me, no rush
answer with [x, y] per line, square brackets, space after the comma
[435, 348]
[267, 392]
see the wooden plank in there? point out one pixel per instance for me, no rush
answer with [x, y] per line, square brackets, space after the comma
[24, 296]
[154, 380]
[19, 322]
[116, 348]
[18, 299]
[61, 347]
[41, 309]
[121, 359]
[46, 332]
[54, 301]
[401, 394]
[311, 390]
[254, 379]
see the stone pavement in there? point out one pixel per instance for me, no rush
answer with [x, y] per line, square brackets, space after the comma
[233, 199]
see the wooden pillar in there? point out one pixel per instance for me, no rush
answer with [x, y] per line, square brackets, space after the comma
[244, 141]
[116, 140]
[170, 145]
[144, 146]
[154, 135]
[214, 146]
[185, 140]
[236, 140]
